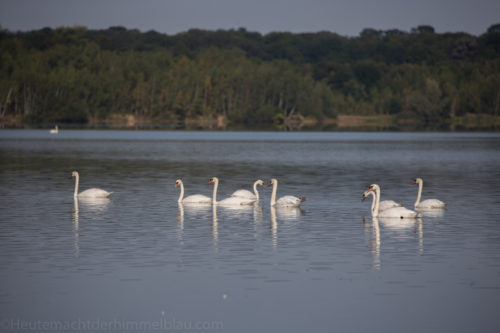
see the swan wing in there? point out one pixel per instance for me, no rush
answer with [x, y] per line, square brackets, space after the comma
[197, 198]
[290, 200]
[244, 194]
[431, 204]
[94, 193]
[399, 223]
[386, 204]
[398, 212]
[235, 201]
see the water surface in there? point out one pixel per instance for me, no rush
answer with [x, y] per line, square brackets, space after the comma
[141, 259]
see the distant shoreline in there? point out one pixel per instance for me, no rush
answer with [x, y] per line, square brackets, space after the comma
[298, 123]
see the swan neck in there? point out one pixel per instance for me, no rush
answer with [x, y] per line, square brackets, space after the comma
[273, 195]
[181, 196]
[420, 186]
[255, 190]
[373, 203]
[214, 196]
[377, 203]
[77, 181]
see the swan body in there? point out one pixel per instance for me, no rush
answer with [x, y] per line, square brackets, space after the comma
[383, 205]
[386, 204]
[285, 201]
[429, 203]
[247, 194]
[91, 192]
[55, 130]
[191, 199]
[231, 201]
[394, 212]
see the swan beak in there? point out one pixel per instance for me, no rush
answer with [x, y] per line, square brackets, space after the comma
[71, 177]
[414, 181]
[270, 184]
[176, 184]
[263, 186]
[210, 181]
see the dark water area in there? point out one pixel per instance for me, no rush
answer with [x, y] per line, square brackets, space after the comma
[139, 261]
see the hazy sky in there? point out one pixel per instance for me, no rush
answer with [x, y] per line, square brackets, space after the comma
[345, 17]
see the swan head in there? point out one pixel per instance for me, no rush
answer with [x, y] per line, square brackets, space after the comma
[366, 194]
[178, 182]
[272, 182]
[373, 187]
[260, 182]
[74, 174]
[417, 181]
[213, 180]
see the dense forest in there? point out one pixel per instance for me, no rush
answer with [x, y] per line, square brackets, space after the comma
[77, 75]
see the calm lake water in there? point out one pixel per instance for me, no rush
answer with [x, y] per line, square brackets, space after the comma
[139, 262]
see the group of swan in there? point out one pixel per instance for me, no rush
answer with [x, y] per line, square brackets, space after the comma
[240, 197]
[386, 208]
[389, 208]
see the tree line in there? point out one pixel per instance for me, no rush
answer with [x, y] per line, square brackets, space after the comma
[77, 75]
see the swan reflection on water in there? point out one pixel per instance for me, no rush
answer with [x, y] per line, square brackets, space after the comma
[180, 223]
[194, 209]
[258, 216]
[76, 226]
[88, 204]
[289, 213]
[406, 224]
[94, 204]
[215, 228]
[391, 224]
[431, 212]
[374, 240]
[274, 228]
[236, 213]
[191, 209]
[284, 214]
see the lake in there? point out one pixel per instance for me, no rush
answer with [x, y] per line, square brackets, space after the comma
[141, 262]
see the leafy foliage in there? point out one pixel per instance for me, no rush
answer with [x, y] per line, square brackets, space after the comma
[80, 75]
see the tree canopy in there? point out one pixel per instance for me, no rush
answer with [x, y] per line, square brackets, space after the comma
[77, 75]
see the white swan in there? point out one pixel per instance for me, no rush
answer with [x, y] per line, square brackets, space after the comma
[191, 199]
[384, 204]
[372, 193]
[287, 200]
[429, 203]
[55, 130]
[91, 192]
[231, 201]
[397, 212]
[247, 194]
